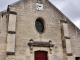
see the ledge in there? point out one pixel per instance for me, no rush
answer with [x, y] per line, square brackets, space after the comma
[41, 44]
[10, 53]
[12, 12]
[66, 37]
[63, 21]
[69, 54]
[11, 32]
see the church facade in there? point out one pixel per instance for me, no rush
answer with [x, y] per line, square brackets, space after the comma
[37, 30]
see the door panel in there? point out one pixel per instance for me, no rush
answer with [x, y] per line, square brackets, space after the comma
[41, 55]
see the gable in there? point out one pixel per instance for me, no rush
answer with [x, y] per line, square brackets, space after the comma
[25, 4]
[30, 6]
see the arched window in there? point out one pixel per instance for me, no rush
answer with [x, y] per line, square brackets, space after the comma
[39, 25]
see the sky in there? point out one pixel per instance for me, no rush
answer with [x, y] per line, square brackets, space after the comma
[70, 8]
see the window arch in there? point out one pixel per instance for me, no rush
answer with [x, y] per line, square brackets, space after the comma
[39, 25]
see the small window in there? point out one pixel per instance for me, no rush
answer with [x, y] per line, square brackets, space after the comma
[77, 58]
[39, 25]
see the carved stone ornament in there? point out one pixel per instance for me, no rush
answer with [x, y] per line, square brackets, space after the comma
[40, 43]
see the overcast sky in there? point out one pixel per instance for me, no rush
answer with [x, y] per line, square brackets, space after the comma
[70, 8]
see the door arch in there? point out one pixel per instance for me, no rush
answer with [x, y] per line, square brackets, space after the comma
[40, 55]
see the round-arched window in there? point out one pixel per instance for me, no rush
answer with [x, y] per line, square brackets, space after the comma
[39, 25]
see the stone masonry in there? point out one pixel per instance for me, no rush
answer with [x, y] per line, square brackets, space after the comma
[19, 38]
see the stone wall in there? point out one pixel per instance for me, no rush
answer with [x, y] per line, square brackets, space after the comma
[3, 33]
[74, 35]
[25, 30]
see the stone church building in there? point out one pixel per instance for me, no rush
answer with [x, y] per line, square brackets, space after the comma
[37, 30]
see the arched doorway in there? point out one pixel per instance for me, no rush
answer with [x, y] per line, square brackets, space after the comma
[40, 55]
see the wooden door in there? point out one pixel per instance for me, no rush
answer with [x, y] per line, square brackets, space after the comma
[77, 58]
[40, 55]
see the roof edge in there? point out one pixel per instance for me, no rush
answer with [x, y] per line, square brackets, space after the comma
[63, 14]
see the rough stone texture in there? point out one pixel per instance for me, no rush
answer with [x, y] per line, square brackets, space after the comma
[10, 43]
[25, 30]
[10, 50]
[68, 46]
[75, 39]
[12, 22]
[3, 38]
[65, 27]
